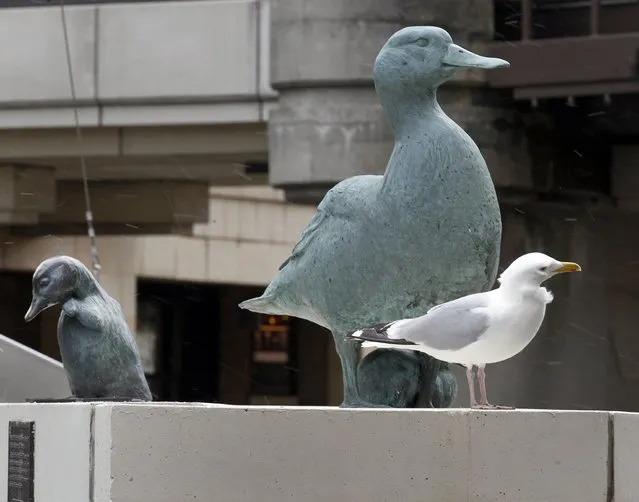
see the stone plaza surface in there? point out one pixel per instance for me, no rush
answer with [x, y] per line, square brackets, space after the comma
[168, 452]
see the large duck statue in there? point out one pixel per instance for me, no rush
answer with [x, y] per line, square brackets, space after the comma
[390, 247]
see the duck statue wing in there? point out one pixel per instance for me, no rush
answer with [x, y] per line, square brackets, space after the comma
[308, 235]
[340, 202]
[341, 211]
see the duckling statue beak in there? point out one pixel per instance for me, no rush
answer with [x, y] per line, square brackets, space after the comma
[461, 58]
[38, 304]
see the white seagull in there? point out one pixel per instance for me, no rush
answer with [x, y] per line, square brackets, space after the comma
[478, 329]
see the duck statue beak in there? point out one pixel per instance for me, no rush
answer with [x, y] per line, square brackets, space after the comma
[461, 58]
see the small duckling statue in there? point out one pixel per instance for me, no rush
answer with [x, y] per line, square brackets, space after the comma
[98, 350]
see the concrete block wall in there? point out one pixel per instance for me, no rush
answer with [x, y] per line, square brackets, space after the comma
[169, 452]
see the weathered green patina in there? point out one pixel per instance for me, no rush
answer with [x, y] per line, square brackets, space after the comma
[389, 247]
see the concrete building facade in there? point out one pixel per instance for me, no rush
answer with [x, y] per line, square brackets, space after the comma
[191, 110]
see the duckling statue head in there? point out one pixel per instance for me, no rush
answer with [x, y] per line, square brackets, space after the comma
[55, 281]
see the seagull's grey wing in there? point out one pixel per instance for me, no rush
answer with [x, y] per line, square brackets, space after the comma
[469, 301]
[449, 326]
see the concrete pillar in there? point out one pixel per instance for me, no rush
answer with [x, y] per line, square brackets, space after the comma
[516, 143]
[329, 124]
[625, 177]
[586, 355]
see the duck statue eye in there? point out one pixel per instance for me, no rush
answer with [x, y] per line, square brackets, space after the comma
[44, 281]
[422, 42]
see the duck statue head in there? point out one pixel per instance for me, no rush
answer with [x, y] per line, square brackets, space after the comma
[415, 61]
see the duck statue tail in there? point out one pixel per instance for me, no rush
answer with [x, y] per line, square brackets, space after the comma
[264, 304]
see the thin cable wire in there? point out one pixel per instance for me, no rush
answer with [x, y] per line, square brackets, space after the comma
[95, 257]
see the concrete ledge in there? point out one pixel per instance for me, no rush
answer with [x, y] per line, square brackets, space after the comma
[274, 454]
[626, 448]
[170, 452]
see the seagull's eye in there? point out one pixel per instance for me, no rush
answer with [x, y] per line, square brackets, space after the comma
[544, 268]
[422, 42]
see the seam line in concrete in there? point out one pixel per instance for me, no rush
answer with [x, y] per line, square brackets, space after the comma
[96, 64]
[92, 454]
[610, 496]
[258, 58]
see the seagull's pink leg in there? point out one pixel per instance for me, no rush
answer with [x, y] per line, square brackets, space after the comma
[470, 376]
[483, 400]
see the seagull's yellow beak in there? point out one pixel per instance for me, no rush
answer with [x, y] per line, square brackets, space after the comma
[568, 266]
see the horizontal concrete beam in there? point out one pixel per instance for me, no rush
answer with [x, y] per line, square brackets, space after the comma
[167, 452]
[132, 205]
[131, 115]
[120, 58]
[214, 171]
[213, 154]
[133, 142]
[30, 229]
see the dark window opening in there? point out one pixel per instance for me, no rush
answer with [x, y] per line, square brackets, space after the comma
[177, 333]
[273, 358]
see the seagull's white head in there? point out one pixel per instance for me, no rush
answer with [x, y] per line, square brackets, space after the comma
[531, 269]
